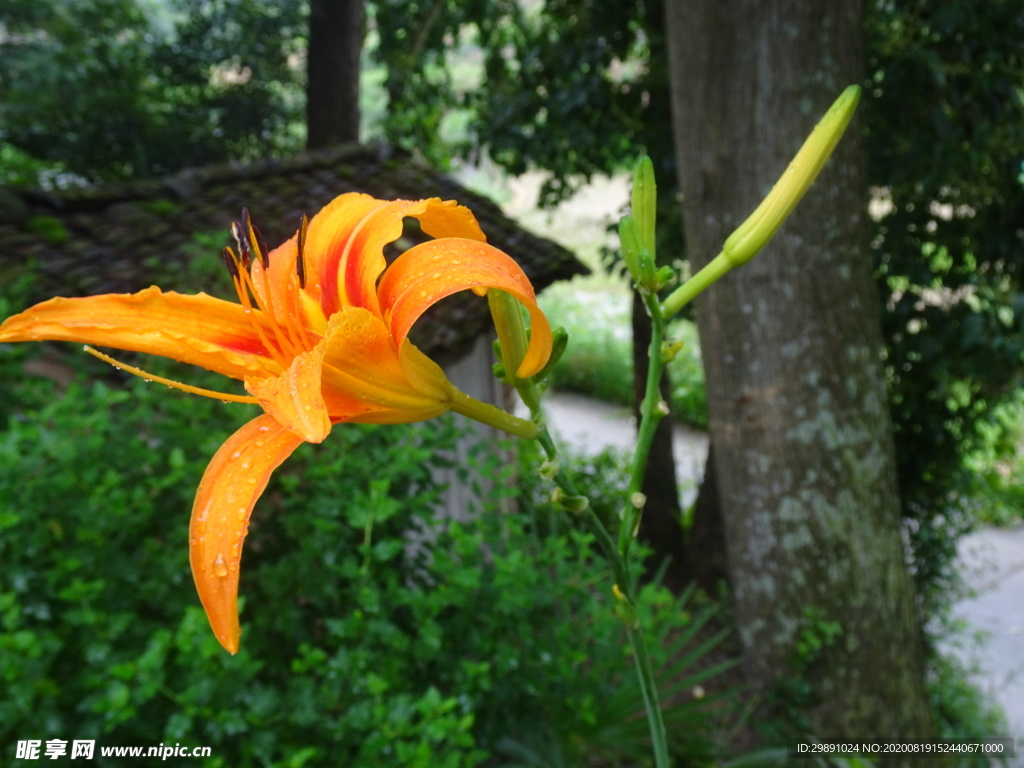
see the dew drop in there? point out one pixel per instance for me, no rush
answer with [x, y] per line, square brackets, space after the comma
[242, 512]
[236, 454]
[219, 567]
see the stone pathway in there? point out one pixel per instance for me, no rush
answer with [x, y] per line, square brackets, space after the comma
[992, 560]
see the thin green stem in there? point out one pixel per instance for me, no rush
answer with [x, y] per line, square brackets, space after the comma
[617, 557]
[686, 292]
[649, 691]
[620, 568]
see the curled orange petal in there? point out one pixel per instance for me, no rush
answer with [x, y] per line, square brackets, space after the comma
[233, 481]
[344, 246]
[429, 272]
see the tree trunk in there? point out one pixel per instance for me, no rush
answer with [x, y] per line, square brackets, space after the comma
[792, 342]
[332, 69]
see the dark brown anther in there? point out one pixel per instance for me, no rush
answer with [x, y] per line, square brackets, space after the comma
[230, 261]
[241, 235]
[300, 261]
[261, 246]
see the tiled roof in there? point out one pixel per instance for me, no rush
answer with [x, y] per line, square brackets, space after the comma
[124, 237]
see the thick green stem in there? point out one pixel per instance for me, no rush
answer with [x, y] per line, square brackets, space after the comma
[491, 415]
[652, 410]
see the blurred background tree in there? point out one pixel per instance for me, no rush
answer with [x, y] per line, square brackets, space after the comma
[121, 89]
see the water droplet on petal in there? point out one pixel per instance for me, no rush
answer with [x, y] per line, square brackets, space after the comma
[220, 568]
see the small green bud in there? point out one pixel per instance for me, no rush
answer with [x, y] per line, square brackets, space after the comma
[559, 342]
[644, 202]
[548, 469]
[631, 243]
[664, 276]
[576, 505]
[638, 500]
[647, 280]
[669, 350]
[498, 369]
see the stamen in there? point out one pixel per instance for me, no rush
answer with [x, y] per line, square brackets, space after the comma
[300, 262]
[251, 244]
[242, 241]
[170, 382]
[260, 245]
[230, 261]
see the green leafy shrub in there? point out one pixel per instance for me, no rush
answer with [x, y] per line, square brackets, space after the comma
[360, 647]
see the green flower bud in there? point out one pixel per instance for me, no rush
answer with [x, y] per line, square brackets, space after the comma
[644, 202]
[754, 233]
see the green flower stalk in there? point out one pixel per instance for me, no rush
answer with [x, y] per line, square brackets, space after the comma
[753, 234]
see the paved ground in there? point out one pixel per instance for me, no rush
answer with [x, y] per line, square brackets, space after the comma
[992, 561]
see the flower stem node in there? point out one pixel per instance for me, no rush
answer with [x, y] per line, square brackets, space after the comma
[575, 505]
[662, 408]
[624, 608]
[549, 469]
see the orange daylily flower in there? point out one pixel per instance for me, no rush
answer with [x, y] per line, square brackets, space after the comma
[319, 337]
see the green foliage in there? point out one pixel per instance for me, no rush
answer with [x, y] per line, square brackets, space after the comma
[998, 465]
[49, 227]
[945, 116]
[961, 710]
[375, 633]
[112, 89]
[598, 360]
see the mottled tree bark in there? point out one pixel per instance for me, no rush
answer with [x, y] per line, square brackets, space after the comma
[792, 343]
[332, 90]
